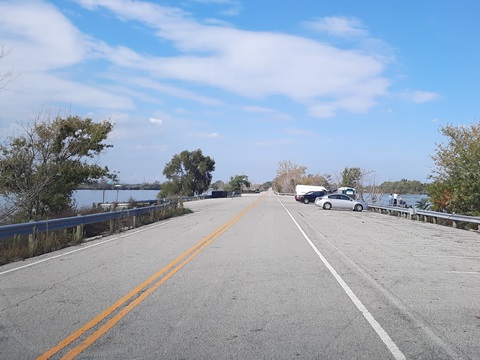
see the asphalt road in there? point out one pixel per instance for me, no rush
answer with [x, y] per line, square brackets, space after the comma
[254, 277]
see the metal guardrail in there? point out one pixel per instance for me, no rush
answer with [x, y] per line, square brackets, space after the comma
[421, 215]
[425, 215]
[34, 227]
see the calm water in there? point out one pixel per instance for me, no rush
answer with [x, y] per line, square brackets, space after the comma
[410, 199]
[88, 197]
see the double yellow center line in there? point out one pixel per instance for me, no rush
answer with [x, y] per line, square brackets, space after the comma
[128, 302]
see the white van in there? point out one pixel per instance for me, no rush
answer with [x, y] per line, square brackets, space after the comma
[303, 189]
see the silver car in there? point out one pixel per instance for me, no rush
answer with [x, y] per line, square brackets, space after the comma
[340, 201]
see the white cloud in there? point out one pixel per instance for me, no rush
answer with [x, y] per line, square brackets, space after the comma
[218, 2]
[155, 121]
[269, 113]
[37, 90]
[37, 31]
[42, 44]
[205, 135]
[189, 72]
[418, 97]
[258, 109]
[160, 148]
[422, 96]
[274, 142]
[234, 7]
[322, 110]
[254, 64]
[170, 90]
[323, 78]
[301, 132]
[338, 26]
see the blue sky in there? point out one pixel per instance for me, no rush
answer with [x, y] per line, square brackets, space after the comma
[324, 84]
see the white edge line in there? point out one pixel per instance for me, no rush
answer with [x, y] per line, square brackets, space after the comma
[397, 354]
[88, 246]
[449, 256]
[57, 256]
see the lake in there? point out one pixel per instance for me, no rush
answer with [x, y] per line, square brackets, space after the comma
[410, 199]
[86, 198]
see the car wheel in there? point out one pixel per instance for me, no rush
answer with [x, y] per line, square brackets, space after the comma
[306, 201]
[327, 206]
[358, 207]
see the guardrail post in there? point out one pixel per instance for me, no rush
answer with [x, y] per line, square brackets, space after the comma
[433, 217]
[152, 214]
[412, 213]
[112, 226]
[33, 241]
[79, 232]
[134, 220]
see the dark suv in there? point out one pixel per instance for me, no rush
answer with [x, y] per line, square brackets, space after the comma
[311, 196]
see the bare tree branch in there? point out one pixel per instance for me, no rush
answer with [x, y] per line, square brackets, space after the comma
[8, 76]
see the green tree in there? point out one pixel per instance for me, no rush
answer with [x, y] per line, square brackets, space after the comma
[456, 176]
[169, 189]
[423, 204]
[319, 180]
[266, 185]
[351, 176]
[362, 180]
[403, 186]
[189, 172]
[40, 170]
[237, 182]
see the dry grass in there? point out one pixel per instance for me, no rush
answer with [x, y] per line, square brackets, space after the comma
[26, 246]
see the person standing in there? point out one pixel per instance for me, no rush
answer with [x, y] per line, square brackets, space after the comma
[395, 197]
[390, 199]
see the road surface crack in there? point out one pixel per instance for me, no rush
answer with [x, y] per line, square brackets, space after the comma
[42, 292]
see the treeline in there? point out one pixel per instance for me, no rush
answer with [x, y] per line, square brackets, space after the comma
[290, 174]
[403, 186]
